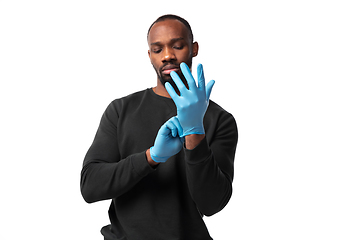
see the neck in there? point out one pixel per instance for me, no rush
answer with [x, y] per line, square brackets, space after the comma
[161, 90]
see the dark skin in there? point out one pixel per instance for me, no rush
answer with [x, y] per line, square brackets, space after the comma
[169, 45]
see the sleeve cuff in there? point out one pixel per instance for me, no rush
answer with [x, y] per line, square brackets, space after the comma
[140, 164]
[199, 154]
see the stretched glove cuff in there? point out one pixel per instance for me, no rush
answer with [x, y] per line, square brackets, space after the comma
[193, 130]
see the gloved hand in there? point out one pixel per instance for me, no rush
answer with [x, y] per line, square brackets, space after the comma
[192, 103]
[167, 142]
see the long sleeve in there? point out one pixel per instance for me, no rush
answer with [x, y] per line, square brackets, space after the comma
[210, 166]
[170, 197]
[105, 175]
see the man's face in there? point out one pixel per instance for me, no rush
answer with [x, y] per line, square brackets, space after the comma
[169, 45]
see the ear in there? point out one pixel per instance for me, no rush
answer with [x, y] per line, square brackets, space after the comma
[149, 56]
[195, 49]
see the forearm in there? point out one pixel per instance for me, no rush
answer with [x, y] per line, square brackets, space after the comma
[151, 162]
[209, 186]
[103, 180]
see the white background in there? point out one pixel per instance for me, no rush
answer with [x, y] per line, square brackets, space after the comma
[288, 71]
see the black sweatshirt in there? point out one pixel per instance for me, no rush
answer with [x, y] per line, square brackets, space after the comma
[167, 202]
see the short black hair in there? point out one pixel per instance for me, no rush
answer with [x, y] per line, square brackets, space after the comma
[171, 16]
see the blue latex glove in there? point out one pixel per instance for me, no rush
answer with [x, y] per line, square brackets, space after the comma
[167, 142]
[192, 103]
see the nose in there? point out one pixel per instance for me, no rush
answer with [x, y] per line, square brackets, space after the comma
[168, 55]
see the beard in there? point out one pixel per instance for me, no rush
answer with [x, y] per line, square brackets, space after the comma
[164, 78]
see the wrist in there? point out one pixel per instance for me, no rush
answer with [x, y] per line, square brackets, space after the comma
[198, 130]
[151, 162]
[192, 140]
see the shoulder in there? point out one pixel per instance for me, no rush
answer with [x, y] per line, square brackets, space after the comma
[136, 96]
[130, 100]
[119, 105]
[219, 123]
[216, 111]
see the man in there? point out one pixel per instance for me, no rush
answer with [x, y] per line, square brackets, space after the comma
[163, 155]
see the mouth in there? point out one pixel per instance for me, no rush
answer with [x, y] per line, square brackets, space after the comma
[169, 68]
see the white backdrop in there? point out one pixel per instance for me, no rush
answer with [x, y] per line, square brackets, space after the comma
[287, 70]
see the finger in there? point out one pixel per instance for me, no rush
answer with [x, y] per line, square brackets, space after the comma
[168, 128]
[201, 77]
[177, 80]
[188, 76]
[209, 87]
[170, 125]
[164, 129]
[171, 91]
[176, 122]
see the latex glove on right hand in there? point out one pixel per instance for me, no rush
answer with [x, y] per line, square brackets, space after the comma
[193, 102]
[168, 141]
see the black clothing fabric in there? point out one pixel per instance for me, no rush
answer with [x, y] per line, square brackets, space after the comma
[169, 201]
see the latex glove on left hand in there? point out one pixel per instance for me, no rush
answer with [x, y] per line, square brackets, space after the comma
[168, 141]
[193, 102]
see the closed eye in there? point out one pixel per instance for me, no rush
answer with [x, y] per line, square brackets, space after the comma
[179, 47]
[157, 50]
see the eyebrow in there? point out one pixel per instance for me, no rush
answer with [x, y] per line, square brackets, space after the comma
[172, 40]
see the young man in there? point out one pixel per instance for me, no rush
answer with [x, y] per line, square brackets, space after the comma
[164, 155]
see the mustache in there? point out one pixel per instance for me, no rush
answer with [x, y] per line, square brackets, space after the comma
[169, 63]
